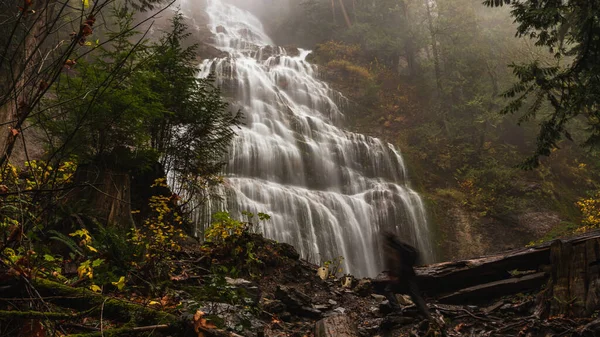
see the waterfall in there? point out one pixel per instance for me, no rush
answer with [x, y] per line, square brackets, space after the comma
[329, 192]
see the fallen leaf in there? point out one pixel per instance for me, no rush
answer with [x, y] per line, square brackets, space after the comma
[459, 327]
[201, 323]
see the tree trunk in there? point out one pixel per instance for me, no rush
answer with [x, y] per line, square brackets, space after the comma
[409, 45]
[574, 285]
[333, 11]
[23, 83]
[346, 17]
[436, 57]
[336, 326]
[107, 191]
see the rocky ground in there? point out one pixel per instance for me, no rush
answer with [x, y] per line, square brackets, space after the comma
[286, 296]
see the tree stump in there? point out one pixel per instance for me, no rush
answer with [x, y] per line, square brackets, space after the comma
[107, 192]
[336, 326]
[574, 285]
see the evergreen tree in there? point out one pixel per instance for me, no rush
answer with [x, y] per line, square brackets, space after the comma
[571, 85]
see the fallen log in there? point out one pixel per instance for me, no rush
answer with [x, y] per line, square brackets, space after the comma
[494, 275]
[83, 299]
[484, 292]
[15, 314]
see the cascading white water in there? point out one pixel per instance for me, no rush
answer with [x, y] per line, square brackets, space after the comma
[329, 192]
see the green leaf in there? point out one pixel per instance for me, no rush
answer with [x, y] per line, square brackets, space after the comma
[49, 258]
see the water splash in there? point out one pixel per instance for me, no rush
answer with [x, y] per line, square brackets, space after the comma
[329, 192]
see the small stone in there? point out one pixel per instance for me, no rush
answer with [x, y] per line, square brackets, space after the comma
[404, 300]
[273, 306]
[378, 297]
[237, 281]
[321, 307]
[340, 310]
[332, 302]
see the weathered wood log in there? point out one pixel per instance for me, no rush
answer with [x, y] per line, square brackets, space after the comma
[574, 285]
[336, 326]
[484, 292]
[440, 279]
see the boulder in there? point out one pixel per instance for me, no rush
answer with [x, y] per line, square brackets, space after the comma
[297, 302]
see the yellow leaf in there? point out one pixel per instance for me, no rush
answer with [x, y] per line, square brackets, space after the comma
[92, 249]
[86, 3]
[95, 288]
[120, 284]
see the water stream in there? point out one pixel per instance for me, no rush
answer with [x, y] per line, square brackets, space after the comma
[329, 192]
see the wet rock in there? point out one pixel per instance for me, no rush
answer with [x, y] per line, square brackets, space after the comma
[273, 306]
[309, 312]
[332, 302]
[364, 287]
[336, 326]
[385, 307]
[234, 317]
[340, 310]
[221, 29]
[378, 297]
[265, 52]
[393, 321]
[246, 288]
[292, 51]
[292, 297]
[375, 311]
[404, 300]
[288, 251]
[296, 302]
[206, 51]
[335, 292]
[248, 34]
[322, 307]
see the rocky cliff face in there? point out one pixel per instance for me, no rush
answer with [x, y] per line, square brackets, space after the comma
[461, 233]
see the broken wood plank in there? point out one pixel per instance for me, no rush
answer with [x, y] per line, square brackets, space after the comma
[484, 292]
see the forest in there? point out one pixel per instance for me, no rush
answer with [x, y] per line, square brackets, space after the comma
[229, 167]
